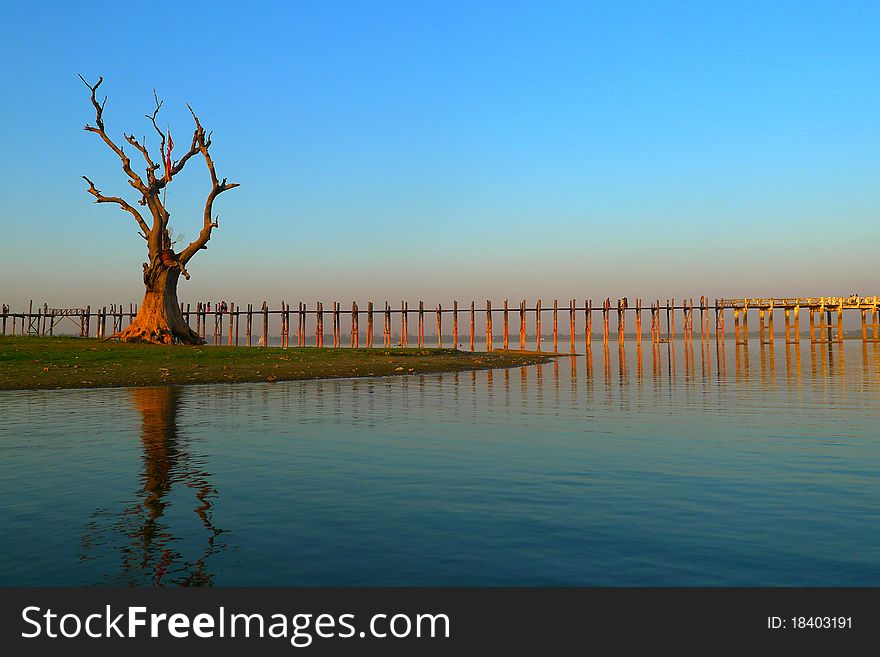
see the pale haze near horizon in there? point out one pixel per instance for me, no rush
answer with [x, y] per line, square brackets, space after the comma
[445, 151]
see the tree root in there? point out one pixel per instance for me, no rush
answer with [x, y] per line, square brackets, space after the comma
[157, 335]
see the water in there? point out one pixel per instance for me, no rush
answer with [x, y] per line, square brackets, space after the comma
[695, 468]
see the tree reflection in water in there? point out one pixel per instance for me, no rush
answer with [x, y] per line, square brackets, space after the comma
[141, 535]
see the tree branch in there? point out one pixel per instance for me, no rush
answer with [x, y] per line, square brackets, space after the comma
[122, 203]
[136, 180]
[151, 166]
[203, 141]
[152, 118]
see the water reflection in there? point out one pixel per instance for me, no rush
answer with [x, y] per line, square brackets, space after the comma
[654, 465]
[141, 535]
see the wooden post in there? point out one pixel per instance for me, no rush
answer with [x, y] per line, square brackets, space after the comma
[840, 321]
[217, 329]
[555, 325]
[702, 334]
[689, 320]
[506, 326]
[746, 322]
[770, 324]
[736, 338]
[588, 323]
[621, 321]
[439, 326]
[6, 312]
[369, 325]
[864, 325]
[761, 326]
[355, 325]
[572, 329]
[233, 323]
[708, 332]
[787, 326]
[88, 320]
[421, 337]
[104, 321]
[522, 325]
[404, 331]
[455, 325]
[488, 325]
[672, 322]
[875, 321]
[606, 308]
[386, 334]
[318, 329]
[830, 337]
[288, 323]
[639, 322]
[717, 324]
[305, 324]
[472, 325]
[538, 325]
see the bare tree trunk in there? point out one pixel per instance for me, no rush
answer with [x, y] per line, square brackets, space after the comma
[159, 319]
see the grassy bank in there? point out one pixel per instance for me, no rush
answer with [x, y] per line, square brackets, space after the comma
[29, 363]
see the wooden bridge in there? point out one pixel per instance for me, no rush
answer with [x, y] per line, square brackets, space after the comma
[825, 321]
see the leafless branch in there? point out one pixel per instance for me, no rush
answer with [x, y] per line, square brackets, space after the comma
[153, 116]
[203, 141]
[122, 203]
[135, 180]
[151, 166]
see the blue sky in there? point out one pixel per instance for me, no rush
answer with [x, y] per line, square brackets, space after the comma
[455, 149]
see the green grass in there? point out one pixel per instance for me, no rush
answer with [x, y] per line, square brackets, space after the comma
[31, 363]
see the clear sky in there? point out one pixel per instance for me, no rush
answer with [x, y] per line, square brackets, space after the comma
[443, 150]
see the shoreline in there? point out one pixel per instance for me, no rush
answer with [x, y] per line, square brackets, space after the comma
[60, 363]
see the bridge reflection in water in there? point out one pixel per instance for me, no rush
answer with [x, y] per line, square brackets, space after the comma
[356, 451]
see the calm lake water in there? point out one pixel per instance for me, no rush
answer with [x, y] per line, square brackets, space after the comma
[669, 467]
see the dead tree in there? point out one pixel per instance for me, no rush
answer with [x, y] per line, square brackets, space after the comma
[159, 318]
